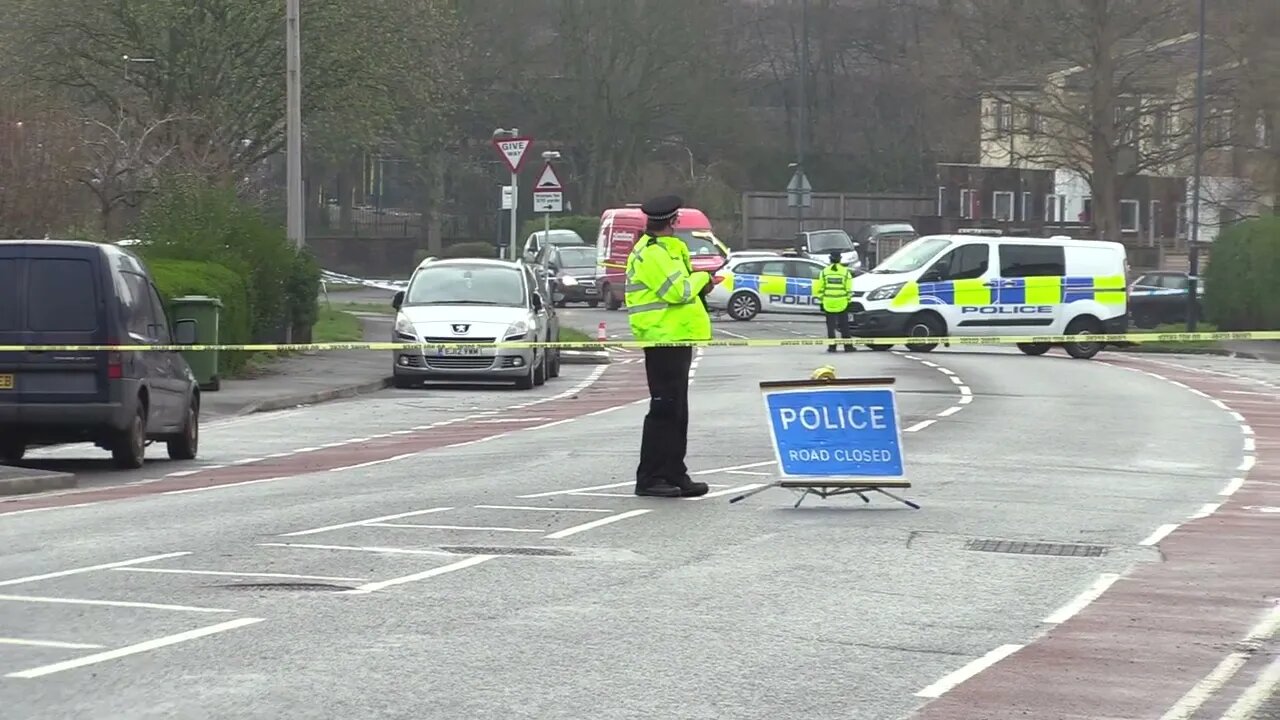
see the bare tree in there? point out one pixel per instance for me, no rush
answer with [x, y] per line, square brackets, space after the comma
[120, 162]
[37, 153]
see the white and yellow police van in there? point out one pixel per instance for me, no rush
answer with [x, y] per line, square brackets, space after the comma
[751, 283]
[990, 285]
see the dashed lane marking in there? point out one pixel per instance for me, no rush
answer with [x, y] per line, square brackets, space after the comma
[1081, 601]
[355, 523]
[91, 568]
[48, 644]
[951, 680]
[110, 603]
[570, 531]
[360, 548]
[415, 577]
[541, 509]
[223, 573]
[463, 528]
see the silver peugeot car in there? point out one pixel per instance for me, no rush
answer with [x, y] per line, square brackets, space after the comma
[469, 302]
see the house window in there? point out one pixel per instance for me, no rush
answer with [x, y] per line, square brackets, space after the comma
[1026, 207]
[1004, 116]
[1155, 223]
[1035, 122]
[1055, 208]
[1181, 230]
[1220, 127]
[1086, 210]
[1262, 131]
[942, 201]
[1130, 216]
[1123, 117]
[1002, 206]
[1161, 127]
[966, 204]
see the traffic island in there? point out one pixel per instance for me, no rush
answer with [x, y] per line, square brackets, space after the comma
[24, 481]
[581, 355]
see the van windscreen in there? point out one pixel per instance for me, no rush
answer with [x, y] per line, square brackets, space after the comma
[9, 319]
[60, 295]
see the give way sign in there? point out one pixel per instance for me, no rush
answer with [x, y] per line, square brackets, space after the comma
[513, 151]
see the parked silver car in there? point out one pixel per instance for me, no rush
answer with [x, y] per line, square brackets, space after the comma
[469, 302]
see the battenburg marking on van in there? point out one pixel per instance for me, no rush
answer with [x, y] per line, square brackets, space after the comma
[836, 432]
[1015, 291]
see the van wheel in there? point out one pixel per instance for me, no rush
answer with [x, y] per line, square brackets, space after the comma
[186, 445]
[593, 303]
[1034, 348]
[881, 348]
[129, 446]
[1083, 327]
[610, 302]
[743, 306]
[12, 450]
[924, 325]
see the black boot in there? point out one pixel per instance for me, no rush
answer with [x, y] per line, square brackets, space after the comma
[692, 488]
[657, 488]
[831, 349]
[849, 348]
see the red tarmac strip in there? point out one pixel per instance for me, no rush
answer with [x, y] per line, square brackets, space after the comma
[618, 385]
[1156, 633]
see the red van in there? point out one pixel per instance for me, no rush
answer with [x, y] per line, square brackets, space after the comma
[619, 229]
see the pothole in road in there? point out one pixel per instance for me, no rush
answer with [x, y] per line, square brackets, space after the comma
[286, 586]
[1021, 547]
[512, 550]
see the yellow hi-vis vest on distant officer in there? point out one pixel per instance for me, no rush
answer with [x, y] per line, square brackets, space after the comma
[663, 293]
[834, 286]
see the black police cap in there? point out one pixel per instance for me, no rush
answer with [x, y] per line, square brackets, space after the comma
[662, 208]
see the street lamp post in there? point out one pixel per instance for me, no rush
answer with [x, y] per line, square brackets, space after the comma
[293, 126]
[515, 194]
[1193, 249]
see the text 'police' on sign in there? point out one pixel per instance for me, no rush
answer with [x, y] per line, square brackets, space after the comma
[840, 431]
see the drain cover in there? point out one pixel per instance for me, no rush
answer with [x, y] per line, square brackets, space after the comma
[297, 587]
[482, 550]
[1019, 547]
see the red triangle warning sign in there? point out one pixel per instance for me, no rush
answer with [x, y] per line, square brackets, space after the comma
[548, 180]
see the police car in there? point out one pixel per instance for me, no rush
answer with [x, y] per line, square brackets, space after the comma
[990, 285]
[750, 284]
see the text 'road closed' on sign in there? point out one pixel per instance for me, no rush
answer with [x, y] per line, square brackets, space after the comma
[835, 437]
[836, 431]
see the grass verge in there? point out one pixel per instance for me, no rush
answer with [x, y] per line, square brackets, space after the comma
[334, 325]
[1177, 347]
[363, 307]
[574, 335]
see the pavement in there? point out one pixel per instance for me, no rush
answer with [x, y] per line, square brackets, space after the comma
[475, 552]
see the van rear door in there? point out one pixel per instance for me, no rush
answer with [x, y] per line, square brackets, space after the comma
[60, 302]
[12, 317]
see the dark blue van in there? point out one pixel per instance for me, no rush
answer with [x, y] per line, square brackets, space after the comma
[55, 292]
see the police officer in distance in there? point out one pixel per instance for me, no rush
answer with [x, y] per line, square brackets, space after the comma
[665, 303]
[834, 287]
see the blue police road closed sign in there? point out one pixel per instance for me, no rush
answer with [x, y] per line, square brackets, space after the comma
[837, 431]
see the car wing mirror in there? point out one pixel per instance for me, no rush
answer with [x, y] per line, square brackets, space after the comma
[184, 332]
[398, 299]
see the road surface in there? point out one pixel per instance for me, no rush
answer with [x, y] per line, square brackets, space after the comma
[477, 553]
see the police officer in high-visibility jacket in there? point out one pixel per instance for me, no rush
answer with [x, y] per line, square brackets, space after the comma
[664, 299]
[834, 287]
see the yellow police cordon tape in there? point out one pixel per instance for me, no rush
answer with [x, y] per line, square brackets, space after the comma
[745, 342]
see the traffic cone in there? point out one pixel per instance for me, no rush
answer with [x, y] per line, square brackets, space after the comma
[601, 334]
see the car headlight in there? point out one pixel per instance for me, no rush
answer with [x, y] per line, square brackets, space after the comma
[888, 292]
[568, 280]
[519, 328]
[405, 328]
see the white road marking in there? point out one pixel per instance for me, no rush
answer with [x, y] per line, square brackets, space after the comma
[133, 649]
[604, 411]
[356, 548]
[1221, 405]
[48, 644]
[926, 363]
[183, 473]
[375, 462]
[947, 682]
[748, 466]
[602, 494]
[246, 461]
[1081, 601]
[222, 573]
[1259, 692]
[732, 334]
[1232, 487]
[299, 451]
[945, 371]
[384, 518]
[920, 426]
[225, 486]
[1250, 445]
[559, 534]
[950, 411]
[1246, 463]
[444, 569]
[1206, 510]
[1246, 429]
[730, 491]
[92, 568]
[965, 399]
[748, 472]
[110, 603]
[965, 390]
[956, 380]
[542, 509]
[475, 528]
[1236, 416]
[575, 490]
[1160, 533]
[1207, 687]
[503, 421]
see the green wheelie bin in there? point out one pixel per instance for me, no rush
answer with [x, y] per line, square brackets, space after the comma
[196, 323]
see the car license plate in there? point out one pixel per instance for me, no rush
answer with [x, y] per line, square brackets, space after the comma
[464, 351]
[6, 382]
[591, 291]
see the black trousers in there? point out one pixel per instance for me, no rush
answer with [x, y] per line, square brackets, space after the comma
[666, 428]
[838, 320]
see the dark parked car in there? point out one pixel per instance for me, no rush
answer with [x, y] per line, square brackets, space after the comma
[1160, 298]
[56, 292]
